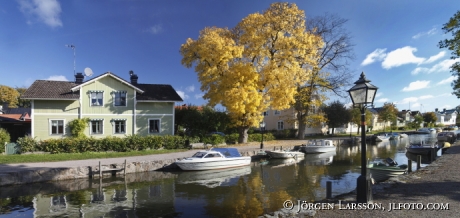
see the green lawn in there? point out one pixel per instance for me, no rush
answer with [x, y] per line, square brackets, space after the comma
[31, 158]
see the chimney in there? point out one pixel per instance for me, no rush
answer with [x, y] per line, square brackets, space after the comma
[79, 78]
[444, 110]
[133, 77]
[435, 110]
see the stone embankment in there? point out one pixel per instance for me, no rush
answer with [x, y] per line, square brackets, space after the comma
[16, 174]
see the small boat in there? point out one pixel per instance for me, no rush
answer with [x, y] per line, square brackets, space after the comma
[425, 131]
[422, 149]
[450, 137]
[381, 138]
[318, 146]
[382, 170]
[215, 158]
[283, 154]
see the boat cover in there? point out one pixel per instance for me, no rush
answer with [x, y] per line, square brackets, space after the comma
[228, 152]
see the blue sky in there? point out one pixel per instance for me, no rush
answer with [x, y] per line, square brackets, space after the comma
[395, 42]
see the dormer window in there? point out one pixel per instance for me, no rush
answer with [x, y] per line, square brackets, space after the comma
[120, 98]
[97, 98]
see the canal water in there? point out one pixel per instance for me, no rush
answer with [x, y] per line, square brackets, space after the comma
[248, 191]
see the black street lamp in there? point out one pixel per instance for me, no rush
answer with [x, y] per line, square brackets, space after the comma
[262, 128]
[362, 94]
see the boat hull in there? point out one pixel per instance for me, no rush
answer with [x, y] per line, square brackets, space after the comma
[382, 173]
[311, 149]
[420, 150]
[284, 154]
[200, 164]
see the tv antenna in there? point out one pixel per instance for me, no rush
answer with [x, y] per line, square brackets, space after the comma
[88, 72]
[73, 48]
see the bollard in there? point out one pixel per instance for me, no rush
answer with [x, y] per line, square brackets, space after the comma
[409, 165]
[124, 169]
[281, 148]
[328, 189]
[433, 154]
[100, 170]
[419, 161]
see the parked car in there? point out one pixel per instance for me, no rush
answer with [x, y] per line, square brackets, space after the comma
[217, 133]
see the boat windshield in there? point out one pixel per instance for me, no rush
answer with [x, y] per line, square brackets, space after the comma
[199, 154]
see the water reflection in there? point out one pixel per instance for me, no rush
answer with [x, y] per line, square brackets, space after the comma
[248, 191]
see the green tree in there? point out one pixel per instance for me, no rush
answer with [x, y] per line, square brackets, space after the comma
[389, 113]
[22, 102]
[198, 121]
[337, 115]
[418, 120]
[355, 117]
[430, 117]
[9, 95]
[453, 44]
[331, 74]
[255, 66]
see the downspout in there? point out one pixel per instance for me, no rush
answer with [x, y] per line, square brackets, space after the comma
[80, 109]
[32, 119]
[134, 112]
[173, 111]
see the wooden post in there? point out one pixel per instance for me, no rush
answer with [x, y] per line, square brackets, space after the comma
[419, 161]
[433, 154]
[124, 169]
[100, 170]
[90, 173]
[328, 189]
[281, 148]
[409, 165]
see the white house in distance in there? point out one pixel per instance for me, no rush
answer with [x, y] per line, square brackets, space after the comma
[446, 117]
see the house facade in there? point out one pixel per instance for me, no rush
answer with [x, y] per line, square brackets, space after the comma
[114, 106]
[287, 119]
[446, 117]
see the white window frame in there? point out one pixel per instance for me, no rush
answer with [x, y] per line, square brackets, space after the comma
[277, 112]
[114, 125]
[278, 125]
[115, 98]
[265, 113]
[51, 126]
[91, 126]
[91, 98]
[159, 125]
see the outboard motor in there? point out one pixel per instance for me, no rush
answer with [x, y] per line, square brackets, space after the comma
[391, 162]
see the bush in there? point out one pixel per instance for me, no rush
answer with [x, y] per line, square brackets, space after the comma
[257, 137]
[28, 144]
[232, 138]
[4, 138]
[214, 139]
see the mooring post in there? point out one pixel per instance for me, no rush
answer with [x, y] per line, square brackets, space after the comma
[328, 189]
[409, 165]
[281, 148]
[433, 154]
[419, 161]
[124, 169]
[100, 170]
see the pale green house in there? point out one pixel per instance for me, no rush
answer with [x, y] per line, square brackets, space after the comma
[114, 106]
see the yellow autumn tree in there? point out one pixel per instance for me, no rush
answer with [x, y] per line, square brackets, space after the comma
[256, 65]
[9, 95]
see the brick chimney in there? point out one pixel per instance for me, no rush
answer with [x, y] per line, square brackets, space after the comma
[133, 77]
[79, 78]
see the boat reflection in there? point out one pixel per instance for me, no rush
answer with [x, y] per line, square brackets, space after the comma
[213, 178]
[320, 159]
[277, 163]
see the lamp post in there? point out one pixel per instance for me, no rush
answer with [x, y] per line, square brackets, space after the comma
[262, 128]
[362, 94]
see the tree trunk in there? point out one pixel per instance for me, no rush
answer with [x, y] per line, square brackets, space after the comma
[243, 134]
[359, 127]
[301, 133]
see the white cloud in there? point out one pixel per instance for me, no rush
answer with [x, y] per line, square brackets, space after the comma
[46, 11]
[57, 78]
[408, 100]
[443, 66]
[400, 57]
[426, 97]
[428, 33]
[376, 55]
[446, 81]
[435, 57]
[198, 96]
[416, 85]
[382, 100]
[378, 94]
[190, 88]
[182, 95]
[155, 29]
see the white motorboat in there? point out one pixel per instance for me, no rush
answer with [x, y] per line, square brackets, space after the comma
[284, 154]
[318, 146]
[215, 158]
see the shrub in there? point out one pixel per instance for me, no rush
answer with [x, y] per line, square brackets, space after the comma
[28, 144]
[77, 127]
[257, 137]
[214, 139]
[232, 138]
[4, 138]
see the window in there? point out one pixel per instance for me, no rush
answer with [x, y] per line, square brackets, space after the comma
[277, 112]
[120, 98]
[96, 98]
[265, 113]
[154, 126]
[280, 125]
[57, 127]
[97, 126]
[119, 126]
